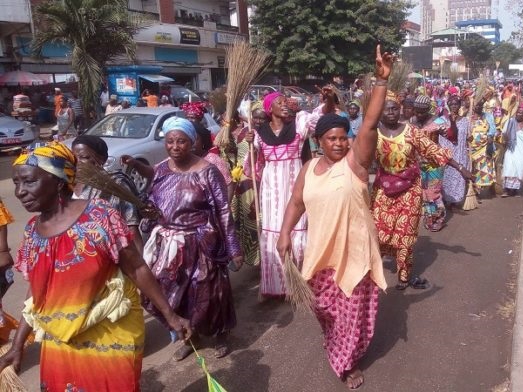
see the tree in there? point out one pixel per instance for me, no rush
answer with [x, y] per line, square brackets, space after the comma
[96, 31]
[327, 37]
[506, 53]
[477, 51]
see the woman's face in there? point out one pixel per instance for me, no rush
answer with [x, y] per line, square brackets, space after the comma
[335, 143]
[85, 154]
[36, 189]
[391, 113]
[422, 113]
[454, 106]
[279, 107]
[178, 145]
[408, 111]
[258, 118]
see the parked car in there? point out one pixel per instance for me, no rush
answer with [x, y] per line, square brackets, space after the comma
[136, 132]
[14, 133]
[257, 91]
[181, 94]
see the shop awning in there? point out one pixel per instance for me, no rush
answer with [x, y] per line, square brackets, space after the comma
[156, 78]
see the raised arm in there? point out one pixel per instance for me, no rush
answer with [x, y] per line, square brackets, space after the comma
[362, 153]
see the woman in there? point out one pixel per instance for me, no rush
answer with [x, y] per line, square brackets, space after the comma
[513, 161]
[434, 212]
[280, 142]
[64, 120]
[6, 273]
[397, 193]
[192, 239]
[342, 260]
[455, 140]
[242, 205]
[481, 142]
[89, 149]
[83, 271]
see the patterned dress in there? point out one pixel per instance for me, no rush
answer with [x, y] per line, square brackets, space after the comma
[397, 218]
[68, 274]
[483, 166]
[454, 185]
[191, 245]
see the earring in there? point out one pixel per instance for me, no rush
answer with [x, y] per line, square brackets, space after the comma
[60, 200]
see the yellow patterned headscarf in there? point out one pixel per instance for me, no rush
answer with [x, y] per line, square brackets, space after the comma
[53, 157]
[392, 96]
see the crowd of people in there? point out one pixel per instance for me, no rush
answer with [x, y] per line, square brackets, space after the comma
[292, 186]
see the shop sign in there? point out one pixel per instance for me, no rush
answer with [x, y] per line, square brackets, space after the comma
[125, 85]
[226, 38]
[189, 36]
[163, 37]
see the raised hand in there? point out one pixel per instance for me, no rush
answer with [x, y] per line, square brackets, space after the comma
[384, 63]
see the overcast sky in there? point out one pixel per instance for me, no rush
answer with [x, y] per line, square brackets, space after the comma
[504, 16]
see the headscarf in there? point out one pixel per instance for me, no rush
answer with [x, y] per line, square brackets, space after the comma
[355, 103]
[95, 143]
[453, 90]
[53, 157]
[268, 100]
[408, 101]
[392, 96]
[422, 102]
[194, 109]
[180, 124]
[255, 105]
[467, 93]
[329, 121]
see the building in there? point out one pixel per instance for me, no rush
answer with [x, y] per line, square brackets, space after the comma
[434, 16]
[460, 10]
[488, 28]
[412, 33]
[187, 38]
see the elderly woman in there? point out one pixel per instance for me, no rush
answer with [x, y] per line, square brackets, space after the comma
[93, 150]
[342, 259]
[513, 160]
[397, 193]
[455, 140]
[192, 239]
[83, 271]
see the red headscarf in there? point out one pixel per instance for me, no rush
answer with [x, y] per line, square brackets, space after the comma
[194, 109]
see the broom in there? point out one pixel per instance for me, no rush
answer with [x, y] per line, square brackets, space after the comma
[9, 380]
[471, 201]
[253, 175]
[299, 294]
[245, 64]
[98, 178]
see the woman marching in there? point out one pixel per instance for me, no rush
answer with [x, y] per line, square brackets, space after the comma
[513, 161]
[342, 259]
[397, 193]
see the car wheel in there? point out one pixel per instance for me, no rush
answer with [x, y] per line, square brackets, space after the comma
[140, 181]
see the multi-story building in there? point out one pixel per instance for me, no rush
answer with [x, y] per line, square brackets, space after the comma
[460, 10]
[187, 38]
[412, 33]
[488, 28]
[434, 16]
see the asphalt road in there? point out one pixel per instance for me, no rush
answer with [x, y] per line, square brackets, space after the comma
[455, 336]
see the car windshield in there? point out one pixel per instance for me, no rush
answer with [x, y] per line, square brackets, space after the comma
[184, 95]
[124, 125]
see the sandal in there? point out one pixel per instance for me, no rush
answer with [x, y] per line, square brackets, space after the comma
[402, 285]
[505, 194]
[355, 378]
[419, 283]
[182, 353]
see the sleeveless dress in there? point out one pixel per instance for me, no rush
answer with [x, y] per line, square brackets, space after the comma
[342, 261]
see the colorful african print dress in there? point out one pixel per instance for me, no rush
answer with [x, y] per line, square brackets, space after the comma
[482, 154]
[397, 217]
[67, 274]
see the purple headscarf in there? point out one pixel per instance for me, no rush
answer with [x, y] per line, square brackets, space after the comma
[268, 100]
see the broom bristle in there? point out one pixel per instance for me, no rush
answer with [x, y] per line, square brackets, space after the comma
[245, 64]
[98, 178]
[471, 201]
[9, 380]
[367, 91]
[299, 294]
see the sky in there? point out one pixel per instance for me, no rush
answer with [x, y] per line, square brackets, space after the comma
[504, 16]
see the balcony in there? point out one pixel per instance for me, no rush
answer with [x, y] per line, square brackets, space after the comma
[205, 23]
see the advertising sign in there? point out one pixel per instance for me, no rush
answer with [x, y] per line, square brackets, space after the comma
[189, 36]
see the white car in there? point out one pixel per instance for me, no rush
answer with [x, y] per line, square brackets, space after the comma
[136, 132]
[14, 133]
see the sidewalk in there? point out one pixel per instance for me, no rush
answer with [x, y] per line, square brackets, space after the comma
[516, 369]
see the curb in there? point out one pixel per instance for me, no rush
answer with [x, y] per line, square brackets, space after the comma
[516, 366]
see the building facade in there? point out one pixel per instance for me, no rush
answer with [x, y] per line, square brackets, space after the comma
[412, 33]
[187, 38]
[488, 28]
[460, 10]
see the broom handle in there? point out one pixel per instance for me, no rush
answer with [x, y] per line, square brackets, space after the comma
[253, 176]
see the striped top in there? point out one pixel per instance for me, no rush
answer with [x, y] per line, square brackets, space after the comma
[76, 105]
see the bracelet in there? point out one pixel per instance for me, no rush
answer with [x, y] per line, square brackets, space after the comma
[381, 82]
[460, 167]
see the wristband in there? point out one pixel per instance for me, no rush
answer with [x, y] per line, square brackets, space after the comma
[381, 82]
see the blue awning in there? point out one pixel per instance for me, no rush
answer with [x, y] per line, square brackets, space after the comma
[156, 78]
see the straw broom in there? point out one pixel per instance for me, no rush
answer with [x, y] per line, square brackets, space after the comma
[471, 201]
[9, 380]
[245, 64]
[96, 177]
[299, 294]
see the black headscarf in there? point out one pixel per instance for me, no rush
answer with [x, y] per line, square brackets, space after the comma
[95, 143]
[286, 135]
[329, 121]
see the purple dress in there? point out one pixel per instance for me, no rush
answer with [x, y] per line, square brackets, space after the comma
[191, 245]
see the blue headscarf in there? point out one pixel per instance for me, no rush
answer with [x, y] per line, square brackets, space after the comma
[179, 124]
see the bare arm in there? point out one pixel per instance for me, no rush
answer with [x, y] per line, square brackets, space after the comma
[5, 253]
[143, 169]
[295, 209]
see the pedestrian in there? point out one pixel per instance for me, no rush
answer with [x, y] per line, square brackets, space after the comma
[104, 98]
[150, 98]
[355, 120]
[64, 121]
[113, 106]
[75, 103]
[455, 140]
[164, 102]
[125, 104]
[192, 239]
[83, 272]
[513, 161]
[397, 191]
[58, 98]
[90, 149]
[342, 258]
[7, 323]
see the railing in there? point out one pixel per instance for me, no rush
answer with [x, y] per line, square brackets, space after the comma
[145, 14]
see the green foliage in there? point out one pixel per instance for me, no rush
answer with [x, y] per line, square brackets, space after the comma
[327, 37]
[95, 30]
[506, 53]
[477, 51]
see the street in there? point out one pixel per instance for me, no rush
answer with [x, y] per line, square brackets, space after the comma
[455, 336]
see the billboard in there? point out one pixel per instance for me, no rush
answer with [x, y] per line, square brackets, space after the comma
[420, 57]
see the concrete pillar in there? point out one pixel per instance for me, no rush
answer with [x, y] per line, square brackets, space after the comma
[243, 17]
[166, 10]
